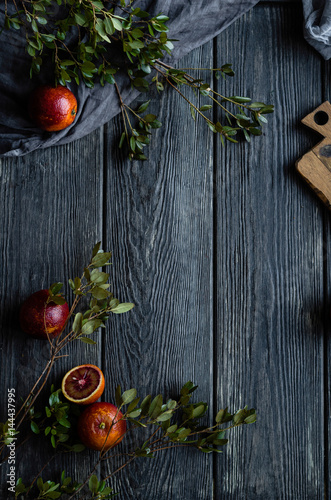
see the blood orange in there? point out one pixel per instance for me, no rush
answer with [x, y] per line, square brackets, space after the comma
[40, 319]
[83, 384]
[98, 421]
[52, 108]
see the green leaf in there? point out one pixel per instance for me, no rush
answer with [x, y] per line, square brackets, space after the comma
[118, 398]
[239, 100]
[192, 112]
[96, 249]
[77, 448]
[121, 140]
[134, 413]
[77, 324]
[172, 429]
[122, 308]
[205, 107]
[88, 67]
[164, 416]
[155, 408]
[90, 326]
[40, 484]
[93, 484]
[220, 415]
[141, 84]
[100, 259]
[52, 495]
[58, 300]
[183, 434]
[99, 277]
[80, 19]
[171, 404]
[41, 20]
[99, 293]
[136, 44]
[117, 24]
[65, 422]
[132, 143]
[255, 131]
[149, 118]
[87, 340]
[56, 288]
[199, 410]
[129, 396]
[53, 441]
[109, 26]
[212, 127]
[34, 427]
[145, 405]
[97, 5]
[133, 404]
[161, 17]
[255, 105]
[250, 419]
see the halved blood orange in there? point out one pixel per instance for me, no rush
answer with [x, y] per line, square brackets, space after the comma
[83, 384]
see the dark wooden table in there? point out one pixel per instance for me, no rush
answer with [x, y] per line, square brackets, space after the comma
[224, 251]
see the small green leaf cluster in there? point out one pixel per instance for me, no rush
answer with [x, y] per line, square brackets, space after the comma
[248, 119]
[57, 422]
[7, 433]
[140, 37]
[99, 489]
[178, 421]
[55, 295]
[94, 283]
[174, 422]
[138, 137]
[48, 490]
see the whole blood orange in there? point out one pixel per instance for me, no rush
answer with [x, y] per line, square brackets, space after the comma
[39, 318]
[52, 108]
[83, 384]
[99, 420]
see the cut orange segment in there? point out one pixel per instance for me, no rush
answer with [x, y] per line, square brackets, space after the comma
[83, 384]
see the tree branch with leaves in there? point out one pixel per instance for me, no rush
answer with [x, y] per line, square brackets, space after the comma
[93, 41]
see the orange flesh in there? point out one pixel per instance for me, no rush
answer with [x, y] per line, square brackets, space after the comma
[82, 382]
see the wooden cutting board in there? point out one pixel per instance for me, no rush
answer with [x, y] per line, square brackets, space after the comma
[315, 166]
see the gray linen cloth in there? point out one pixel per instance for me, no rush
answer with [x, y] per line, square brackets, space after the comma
[96, 106]
[317, 25]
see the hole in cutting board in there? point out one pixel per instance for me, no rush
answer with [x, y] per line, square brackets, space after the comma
[321, 118]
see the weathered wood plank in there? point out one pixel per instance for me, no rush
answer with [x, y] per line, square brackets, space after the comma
[160, 226]
[51, 218]
[270, 270]
[326, 317]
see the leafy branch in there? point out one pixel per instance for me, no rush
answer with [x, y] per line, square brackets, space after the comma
[171, 423]
[93, 285]
[91, 43]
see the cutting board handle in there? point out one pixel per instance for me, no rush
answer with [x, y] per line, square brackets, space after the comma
[320, 119]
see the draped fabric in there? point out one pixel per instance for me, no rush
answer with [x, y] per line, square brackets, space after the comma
[192, 23]
[317, 27]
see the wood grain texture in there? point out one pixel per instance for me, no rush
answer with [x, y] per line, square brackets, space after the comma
[50, 214]
[160, 225]
[223, 251]
[327, 314]
[270, 271]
